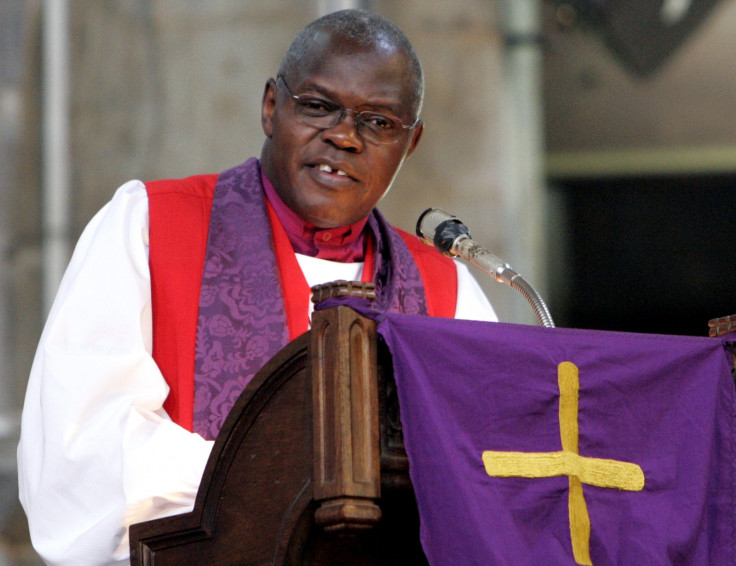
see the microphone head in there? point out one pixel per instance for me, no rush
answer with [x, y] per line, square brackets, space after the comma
[440, 229]
[428, 222]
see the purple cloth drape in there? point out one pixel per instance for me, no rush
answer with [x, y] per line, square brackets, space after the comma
[663, 403]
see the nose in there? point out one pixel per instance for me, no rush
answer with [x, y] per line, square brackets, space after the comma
[344, 134]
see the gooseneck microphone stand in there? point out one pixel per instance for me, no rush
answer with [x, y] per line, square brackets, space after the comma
[451, 238]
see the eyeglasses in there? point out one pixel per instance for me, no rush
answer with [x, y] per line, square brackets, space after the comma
[323, 113]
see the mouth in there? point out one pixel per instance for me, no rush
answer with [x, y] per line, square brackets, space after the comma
[332, 172]
[327, 169]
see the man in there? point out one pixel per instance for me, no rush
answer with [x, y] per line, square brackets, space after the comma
[179, 291]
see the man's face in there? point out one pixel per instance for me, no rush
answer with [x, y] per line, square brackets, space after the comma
[333, 177]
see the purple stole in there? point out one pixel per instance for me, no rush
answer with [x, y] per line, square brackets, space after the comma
[242, 318]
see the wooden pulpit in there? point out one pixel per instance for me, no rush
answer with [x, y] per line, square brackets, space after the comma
[309, 468]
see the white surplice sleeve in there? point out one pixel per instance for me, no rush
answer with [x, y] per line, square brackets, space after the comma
[97, 451]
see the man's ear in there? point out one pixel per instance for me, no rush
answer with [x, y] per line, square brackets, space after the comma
[268, 105]
[416, 135]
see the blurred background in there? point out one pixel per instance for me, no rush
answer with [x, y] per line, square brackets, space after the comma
[591, 144]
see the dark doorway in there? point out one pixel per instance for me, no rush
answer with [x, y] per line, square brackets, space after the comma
[647, 254]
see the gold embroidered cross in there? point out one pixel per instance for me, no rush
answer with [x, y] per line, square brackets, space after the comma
[568, 462]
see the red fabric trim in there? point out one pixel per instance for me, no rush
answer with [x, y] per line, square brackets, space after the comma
[369, 260]
[439, 276]
[179, 217]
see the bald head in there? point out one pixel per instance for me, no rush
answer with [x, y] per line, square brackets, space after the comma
[353, 31]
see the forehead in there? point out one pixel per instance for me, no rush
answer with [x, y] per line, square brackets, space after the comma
[355, 75]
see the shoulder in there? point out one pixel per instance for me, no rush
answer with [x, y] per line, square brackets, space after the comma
[177, 202]
[198, 186]
[179, 208]
[438, 274]
[424, 253]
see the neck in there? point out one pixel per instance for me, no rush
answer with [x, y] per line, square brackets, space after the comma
[344, 244]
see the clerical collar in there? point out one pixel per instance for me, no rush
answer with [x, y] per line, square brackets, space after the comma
[344, 243]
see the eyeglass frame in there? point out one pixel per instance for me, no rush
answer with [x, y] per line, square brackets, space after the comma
[341, 111]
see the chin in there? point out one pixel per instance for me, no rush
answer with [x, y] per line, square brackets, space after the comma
[328, 223]
[330, 218]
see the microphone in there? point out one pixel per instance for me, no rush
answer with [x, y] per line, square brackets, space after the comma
[452, 238]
